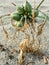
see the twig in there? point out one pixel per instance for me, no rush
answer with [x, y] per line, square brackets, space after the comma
[14, 4]
[4, 15]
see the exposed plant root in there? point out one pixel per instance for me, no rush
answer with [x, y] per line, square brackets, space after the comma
[6, 34]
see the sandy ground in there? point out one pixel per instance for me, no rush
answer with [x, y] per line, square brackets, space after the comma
[8, 53]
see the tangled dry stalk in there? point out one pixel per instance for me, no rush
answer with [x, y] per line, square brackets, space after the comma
[28, 46]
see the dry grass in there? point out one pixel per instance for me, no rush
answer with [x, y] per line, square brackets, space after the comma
[28, 46]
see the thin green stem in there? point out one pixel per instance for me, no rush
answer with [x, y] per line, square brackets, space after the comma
[40, 4]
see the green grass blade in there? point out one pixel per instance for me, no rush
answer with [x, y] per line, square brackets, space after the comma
[44, 15]
[40, 4]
